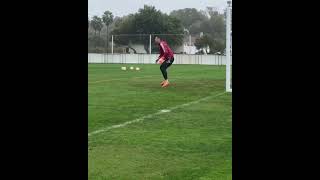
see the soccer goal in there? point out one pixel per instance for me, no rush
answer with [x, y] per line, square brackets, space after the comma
[229, 47]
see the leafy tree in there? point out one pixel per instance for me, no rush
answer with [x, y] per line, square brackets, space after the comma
[148, 20]
[188, 16]
[97, 24]
[107, 18]
[94, 42]
[204, 42]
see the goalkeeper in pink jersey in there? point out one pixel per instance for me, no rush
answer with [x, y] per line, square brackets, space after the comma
[165, 59]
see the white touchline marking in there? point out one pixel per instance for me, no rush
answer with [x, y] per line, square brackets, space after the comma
[165, 110]
[151, 115]
[106, 80]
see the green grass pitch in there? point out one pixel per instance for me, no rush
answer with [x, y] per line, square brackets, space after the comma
[190, 142]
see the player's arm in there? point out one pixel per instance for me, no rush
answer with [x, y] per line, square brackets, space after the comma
[165, 53]
[162, 54]
[160, 60]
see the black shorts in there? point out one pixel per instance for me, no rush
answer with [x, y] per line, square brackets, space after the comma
[169, 61]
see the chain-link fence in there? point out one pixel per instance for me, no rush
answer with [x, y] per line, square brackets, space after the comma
[141, 48]
[139, 43]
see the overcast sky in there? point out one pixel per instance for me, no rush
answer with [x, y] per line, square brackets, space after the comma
[124, 7]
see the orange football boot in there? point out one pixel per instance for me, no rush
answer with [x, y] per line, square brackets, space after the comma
[165, 84]
[162, 82]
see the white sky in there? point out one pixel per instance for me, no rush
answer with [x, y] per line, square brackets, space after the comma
[125, 7]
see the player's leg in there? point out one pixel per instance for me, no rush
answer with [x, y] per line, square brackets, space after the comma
[170, 61]
[164, 73]
[167, 63]
[163, 69]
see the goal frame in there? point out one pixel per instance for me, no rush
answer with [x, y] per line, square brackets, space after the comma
[228, 47]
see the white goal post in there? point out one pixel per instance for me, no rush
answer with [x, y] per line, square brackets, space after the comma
[228, 47]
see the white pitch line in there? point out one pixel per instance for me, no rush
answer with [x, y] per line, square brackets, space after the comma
[165, 110]
[107, 80]
[151, 115]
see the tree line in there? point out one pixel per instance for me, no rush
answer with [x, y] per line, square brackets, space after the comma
[149, 20]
